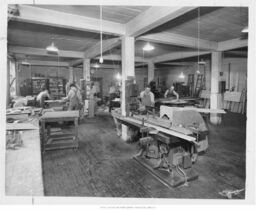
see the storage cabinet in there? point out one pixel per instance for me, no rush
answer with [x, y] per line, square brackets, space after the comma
[56, 86]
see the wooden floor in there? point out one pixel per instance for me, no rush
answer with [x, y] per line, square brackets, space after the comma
[103, 167]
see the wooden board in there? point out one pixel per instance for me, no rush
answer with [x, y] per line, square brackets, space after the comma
[20, 126]
[60, 114]
[164, 123]
[232, 96]
[160, 129]
[205, 94]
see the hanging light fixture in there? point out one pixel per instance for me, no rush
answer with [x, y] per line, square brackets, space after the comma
[118, 76]
[96, 65]
[101, 58]
[148, 47]
[201, 62]
[52, 48]
[25, 62]
[245, 29]
[181, 76]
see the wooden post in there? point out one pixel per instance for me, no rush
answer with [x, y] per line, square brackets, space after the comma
[127, 70]
[71, 74]
[151, 71]
[17, 85]
[215, 95]
[8, 83]
[86, 69]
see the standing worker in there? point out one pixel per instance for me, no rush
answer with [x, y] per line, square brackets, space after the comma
[171, 92]
[74, 98]
[147, 98]
[42, 96]
[92, 100]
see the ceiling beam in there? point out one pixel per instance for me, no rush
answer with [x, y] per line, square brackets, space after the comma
[106, 45]
[43, 52]
[103, 66]
[179, 40]
[232, 44]
[243, 54]
[110, 57]
[116, 57]
[179, 63]
[176, 56]
[50, 17]
[153, 17]
[47, 63]
[107, 66]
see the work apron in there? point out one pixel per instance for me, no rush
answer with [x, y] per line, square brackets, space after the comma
[74, 102]
[146, 100]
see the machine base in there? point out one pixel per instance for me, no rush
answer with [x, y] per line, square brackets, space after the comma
[165, 177]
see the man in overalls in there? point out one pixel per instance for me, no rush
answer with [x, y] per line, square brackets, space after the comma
[74, 98]
[171, 92]
[147, 99]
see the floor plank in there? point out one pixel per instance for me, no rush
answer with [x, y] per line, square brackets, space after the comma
[103, 165]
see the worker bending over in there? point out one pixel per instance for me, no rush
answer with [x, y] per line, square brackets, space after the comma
[147, 98]
[171, 92]
[42, 96]
[74, 98]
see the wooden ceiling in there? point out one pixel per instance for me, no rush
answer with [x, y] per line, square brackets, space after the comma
[40, 36]
[119, 14]
[217, 24]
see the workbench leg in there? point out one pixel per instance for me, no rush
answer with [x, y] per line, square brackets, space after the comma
[76, 132]
[43, 133]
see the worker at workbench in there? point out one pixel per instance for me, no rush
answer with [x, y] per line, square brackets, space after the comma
[147, 98]
[74, 98]
[42, 96]
[171, 92]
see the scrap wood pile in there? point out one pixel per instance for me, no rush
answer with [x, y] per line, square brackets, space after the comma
[235, 101]
[19, 119]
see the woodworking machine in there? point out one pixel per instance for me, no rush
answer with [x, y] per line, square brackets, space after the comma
[169, 144]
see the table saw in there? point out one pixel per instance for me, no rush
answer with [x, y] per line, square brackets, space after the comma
[169, 145]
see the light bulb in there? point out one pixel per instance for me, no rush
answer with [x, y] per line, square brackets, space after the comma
[118, 76]
[101, 60]
[181, 76]
[148, 47]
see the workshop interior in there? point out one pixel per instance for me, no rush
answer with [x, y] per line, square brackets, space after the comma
[126, 101]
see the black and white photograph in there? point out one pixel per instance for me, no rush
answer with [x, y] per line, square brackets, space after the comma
[127, 99]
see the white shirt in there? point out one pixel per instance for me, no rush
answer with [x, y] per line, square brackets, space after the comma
[42, 94]
[152, 97]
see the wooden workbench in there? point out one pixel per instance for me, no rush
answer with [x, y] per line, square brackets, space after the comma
[23, 169]
[54, 103]
[51, 141]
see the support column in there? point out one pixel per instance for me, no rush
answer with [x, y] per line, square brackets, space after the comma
[127, 70]
[8, 83]
[17, 70]
[89, 100]
[215, 95]
[86, 70]
[151, 71]
[71, 74]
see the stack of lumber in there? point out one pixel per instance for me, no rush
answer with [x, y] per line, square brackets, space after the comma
[235, 101]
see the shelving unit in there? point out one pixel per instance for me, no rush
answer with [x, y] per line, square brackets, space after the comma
[55, 85]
